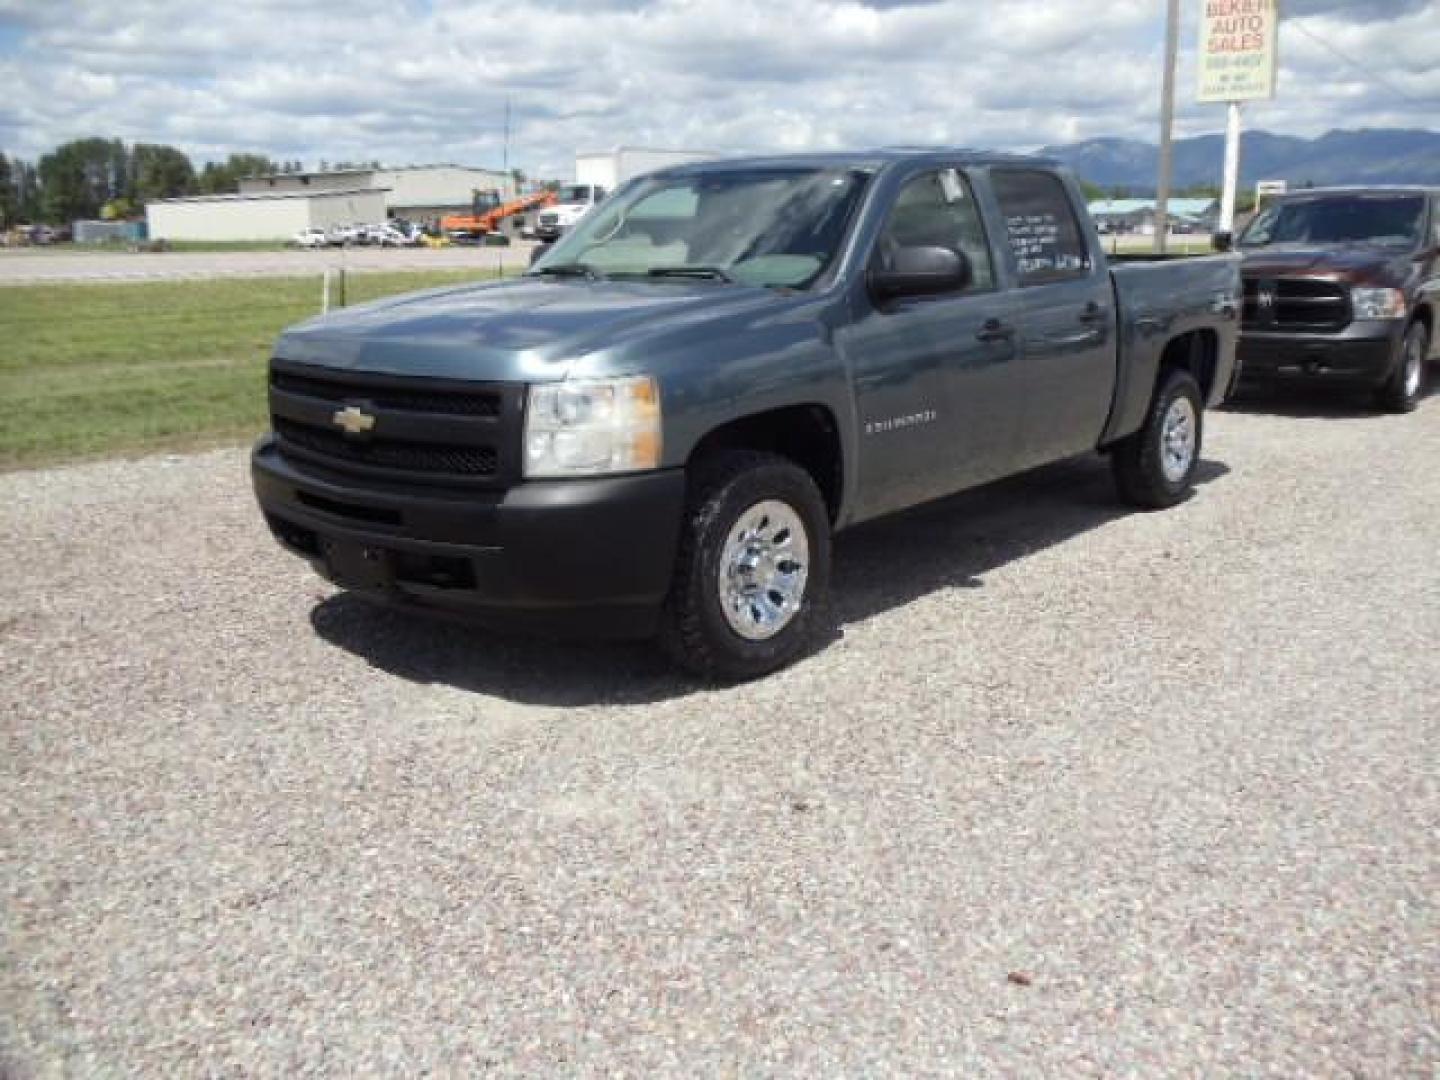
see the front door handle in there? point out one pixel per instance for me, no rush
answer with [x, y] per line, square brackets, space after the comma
[1092, 314]
[994, 330]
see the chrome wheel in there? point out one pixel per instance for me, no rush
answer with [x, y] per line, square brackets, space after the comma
[1177, 440]
[1414, 364]
[763, 570]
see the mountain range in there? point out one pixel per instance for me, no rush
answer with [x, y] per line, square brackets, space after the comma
[1368, 156]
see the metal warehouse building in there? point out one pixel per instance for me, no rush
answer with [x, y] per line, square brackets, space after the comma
[416, 192]
[276, 216]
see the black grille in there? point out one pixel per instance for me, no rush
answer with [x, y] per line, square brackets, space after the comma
[1296, 304]
[436, 431]
[461, 461]
[456, 403]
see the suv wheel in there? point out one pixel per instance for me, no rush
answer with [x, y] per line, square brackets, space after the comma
[1404, 389]
[1155, 467]
[753, 569]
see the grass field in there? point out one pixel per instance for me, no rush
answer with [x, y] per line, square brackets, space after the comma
[89, 370]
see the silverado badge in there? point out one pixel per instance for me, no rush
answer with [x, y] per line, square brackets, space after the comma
[353, 419]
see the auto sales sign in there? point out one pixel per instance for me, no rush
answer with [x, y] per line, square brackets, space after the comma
[1237, 49]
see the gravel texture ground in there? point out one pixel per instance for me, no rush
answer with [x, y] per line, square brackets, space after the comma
[1069, 792]
[30, 267]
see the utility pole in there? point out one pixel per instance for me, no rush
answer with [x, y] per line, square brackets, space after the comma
[505, 165]
[1167, 124]
[1232, 168]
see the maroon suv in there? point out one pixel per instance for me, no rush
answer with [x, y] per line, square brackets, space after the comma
[1343, 284]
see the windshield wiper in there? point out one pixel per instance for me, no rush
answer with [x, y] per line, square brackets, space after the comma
[574, 269]
[714, 273]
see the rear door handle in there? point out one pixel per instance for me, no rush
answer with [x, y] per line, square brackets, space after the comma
[994, 330]
[1092, 314]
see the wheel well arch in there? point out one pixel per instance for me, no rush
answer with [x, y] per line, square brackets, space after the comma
[808, 434]
[1195, 351]
[1426, 316]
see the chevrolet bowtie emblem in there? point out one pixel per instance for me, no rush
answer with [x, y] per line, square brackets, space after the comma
[353, 420]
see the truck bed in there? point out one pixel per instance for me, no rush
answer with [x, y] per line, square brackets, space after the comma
[1159, 298]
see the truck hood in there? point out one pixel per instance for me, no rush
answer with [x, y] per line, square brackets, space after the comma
[1356, 264]
[526, 329]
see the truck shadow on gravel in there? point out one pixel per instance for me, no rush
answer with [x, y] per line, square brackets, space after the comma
[1304, 402]
[878, 567]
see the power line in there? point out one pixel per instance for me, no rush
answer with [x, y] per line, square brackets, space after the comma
[1356, 64]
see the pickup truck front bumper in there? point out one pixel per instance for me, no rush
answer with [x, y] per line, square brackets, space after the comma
[1366, 351]
[588, 557]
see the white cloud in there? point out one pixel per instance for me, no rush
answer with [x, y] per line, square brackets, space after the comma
[427, 80]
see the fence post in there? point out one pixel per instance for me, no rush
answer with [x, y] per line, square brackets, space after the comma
[325, 291]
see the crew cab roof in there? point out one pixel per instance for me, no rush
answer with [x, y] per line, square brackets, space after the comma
[861, 159]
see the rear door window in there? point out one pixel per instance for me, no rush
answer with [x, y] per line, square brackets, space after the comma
[1040, 226]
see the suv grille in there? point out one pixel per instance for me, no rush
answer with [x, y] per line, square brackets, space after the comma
[428, 430]
[549, 220]
[1295, 304]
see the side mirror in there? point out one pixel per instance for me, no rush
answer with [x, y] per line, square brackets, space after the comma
[921, 271]
[1222, 241]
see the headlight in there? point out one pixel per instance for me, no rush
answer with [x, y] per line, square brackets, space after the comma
[592, 427]
[1378, 303]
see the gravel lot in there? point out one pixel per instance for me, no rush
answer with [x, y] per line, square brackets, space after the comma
[1071, 792]
[31, 267]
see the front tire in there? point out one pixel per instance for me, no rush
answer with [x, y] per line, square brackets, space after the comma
[1155, 467]
[753, 570]
[1404, 389]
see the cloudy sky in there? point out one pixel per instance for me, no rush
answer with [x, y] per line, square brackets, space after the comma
[408, 81]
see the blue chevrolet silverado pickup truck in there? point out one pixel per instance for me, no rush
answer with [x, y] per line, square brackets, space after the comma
[658, 428]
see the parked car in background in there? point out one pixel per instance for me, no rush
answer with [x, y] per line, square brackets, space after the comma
[410, 231]
[309, 238]
[1343, 285]
[345, 235]
[658, 428]
[386, 235]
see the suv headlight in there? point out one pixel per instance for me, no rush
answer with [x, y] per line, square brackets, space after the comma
[592, 427]
[1378, 303]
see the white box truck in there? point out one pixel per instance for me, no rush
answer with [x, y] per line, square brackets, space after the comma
[597, 174]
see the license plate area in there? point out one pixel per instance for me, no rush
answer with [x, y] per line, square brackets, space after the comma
[357, 566]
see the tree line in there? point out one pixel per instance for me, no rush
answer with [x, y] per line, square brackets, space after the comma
[93, 178]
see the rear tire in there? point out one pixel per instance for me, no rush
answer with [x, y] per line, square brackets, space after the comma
[1406, 386]
[1155, 467]
[753, 570]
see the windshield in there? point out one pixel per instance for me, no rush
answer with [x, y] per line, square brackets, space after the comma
[1385, 220]
[575, 193]
[774, 227]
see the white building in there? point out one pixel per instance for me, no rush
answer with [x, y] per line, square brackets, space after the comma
[269, 216]
[1138, 215]
[415, 192]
